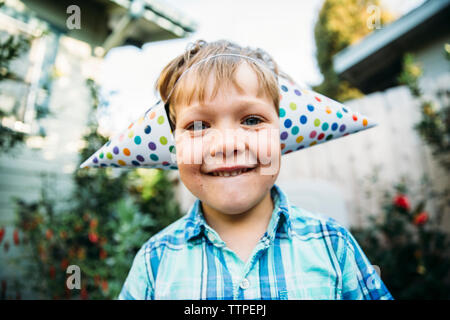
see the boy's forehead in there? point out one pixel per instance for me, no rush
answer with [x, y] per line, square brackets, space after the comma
[245, 83]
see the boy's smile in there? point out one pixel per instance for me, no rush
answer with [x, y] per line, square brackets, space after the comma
[224, 144]
[231, 171]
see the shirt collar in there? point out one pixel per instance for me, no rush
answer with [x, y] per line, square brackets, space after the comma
[280, 220]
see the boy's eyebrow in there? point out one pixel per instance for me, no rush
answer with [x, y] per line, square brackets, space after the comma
[196, 108]
[239, 103]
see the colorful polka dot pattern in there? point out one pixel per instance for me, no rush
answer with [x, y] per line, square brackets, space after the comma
[308, 118]
[147, 143]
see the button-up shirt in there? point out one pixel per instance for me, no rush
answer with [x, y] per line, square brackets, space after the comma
[302, 255]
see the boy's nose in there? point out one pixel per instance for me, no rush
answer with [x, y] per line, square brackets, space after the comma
[227, 143]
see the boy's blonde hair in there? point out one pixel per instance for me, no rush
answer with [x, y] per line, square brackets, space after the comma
[193, 83]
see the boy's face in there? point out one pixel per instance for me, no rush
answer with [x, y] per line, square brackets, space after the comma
[228, 148]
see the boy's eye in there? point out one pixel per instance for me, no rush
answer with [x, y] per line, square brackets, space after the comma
[252, 121]
[197, 126]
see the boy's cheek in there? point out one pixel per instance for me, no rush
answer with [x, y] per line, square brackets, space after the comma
[189, 149]
[269, 151]
[191, 178]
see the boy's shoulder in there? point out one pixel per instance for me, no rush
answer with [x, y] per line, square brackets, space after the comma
[308, 223]
[305, 223]
[319, 230]
[173, 235]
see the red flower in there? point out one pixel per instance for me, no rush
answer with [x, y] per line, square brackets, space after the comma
[402, 201]
[93, 237]
[93, 224]
[421, 218]
[105, 285]
[16, 237]
[64, 264]
[96, 280]
[103, 254]
[48, 234]
[2, 233]
[84, 293]
[52, 272]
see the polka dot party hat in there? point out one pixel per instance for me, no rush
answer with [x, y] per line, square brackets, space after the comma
[147, 142]
[307, 118]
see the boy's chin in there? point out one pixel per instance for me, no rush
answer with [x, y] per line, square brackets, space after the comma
[232, 207]
[237, 200]
[230, 194]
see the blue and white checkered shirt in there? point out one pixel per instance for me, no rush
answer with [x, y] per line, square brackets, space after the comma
[302, 255]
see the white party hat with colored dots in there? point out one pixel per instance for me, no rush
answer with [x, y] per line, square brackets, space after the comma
[307, 118]
[147, 142]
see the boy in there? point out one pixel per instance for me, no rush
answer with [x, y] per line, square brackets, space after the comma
[241, 239]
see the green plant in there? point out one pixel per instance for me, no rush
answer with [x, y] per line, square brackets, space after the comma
[100, 227]
[434, 126]
[10, 48]
[406, 242]
[340, 24]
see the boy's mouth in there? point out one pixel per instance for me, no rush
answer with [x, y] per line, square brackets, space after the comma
[230, 171]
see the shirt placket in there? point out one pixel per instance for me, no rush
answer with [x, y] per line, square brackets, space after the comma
[249, 277]
[244, 275]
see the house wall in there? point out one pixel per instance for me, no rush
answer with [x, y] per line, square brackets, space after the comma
[57, 154]
[435, 68]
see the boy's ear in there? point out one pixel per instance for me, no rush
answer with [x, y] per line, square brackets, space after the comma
[172, 125]
[307, 118]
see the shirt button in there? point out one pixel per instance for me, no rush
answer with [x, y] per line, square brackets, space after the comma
[267, 242]
[245, 284]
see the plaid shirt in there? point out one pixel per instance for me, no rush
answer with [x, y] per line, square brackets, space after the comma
[302, 255]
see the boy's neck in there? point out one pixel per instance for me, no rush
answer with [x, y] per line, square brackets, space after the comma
[254, 221]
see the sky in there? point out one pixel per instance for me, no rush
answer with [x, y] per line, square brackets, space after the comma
[283, 28]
